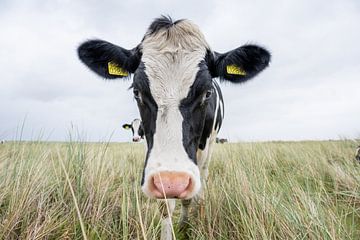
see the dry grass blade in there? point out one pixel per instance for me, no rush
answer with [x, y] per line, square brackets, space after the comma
[74, 197]
[139, 213]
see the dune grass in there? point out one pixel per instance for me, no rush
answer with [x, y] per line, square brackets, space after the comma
[271, 190]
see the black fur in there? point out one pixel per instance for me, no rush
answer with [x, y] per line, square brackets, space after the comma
[141, 131]
[127, 126]
[97, 53]
[251, 58]
[163, 22]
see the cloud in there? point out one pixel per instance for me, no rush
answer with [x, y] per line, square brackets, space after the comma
[309, 91]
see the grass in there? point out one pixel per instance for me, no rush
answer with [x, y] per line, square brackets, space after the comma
[270, 190]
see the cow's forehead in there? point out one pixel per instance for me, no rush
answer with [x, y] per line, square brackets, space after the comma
[171, 57]
[183, 35]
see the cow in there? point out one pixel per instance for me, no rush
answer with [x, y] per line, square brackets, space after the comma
[221, 140]
[136, 128]
[174, 81]
[2, 142]
[357, 154]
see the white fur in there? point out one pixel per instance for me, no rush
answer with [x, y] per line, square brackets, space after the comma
[136, 123]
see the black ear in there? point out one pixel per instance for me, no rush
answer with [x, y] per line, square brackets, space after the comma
[108, 60]
[240, 64]
[126, 126]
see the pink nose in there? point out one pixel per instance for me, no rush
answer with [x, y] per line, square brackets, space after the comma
[171, 185]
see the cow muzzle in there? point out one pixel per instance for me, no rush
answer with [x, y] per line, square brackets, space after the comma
[169, 184]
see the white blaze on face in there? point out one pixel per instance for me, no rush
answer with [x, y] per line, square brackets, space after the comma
[171, 59]
[136, 123]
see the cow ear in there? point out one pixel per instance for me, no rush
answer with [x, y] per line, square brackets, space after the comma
[240, 64]
[126, 126]
[108, 60]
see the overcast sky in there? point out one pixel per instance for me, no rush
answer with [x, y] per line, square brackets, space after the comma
[310, 91]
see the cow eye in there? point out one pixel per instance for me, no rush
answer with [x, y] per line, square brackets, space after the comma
[208, 94]
[136, 93]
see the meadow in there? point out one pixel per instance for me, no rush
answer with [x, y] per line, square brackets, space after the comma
[263, 190]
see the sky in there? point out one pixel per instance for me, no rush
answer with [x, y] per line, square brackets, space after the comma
[311, 90]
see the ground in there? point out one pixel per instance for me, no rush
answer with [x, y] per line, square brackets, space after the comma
[264, 190]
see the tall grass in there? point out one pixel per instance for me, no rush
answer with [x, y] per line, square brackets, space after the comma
[271, 190]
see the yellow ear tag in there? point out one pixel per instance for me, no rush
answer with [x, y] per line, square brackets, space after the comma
[114, 69]
[127, 127]
[235, 70]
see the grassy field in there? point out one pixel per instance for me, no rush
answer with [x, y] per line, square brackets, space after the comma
[271, 190]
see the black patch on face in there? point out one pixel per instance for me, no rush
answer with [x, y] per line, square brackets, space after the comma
[141, 130]
[209, 122]
[147, 108]
[198, 113]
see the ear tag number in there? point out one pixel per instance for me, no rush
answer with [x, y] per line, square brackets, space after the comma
[114, 69]
[235, 70]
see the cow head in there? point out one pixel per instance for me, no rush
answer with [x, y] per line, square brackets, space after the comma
[136, 128]
[172, 67]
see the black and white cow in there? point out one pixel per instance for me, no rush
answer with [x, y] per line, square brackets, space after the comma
[136, 128]
[179, 101]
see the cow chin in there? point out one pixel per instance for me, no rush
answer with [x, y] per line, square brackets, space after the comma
[177, 182]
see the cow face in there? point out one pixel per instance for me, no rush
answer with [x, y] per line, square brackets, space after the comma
[173, 69]
[136, 128]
